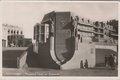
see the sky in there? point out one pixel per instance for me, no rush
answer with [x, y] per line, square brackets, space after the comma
[27, 14]
[59, 0]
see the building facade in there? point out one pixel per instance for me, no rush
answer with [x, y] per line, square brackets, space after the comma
[85, 30]
[12, 36]
[64, 39]
[98, 32]
[103, 32]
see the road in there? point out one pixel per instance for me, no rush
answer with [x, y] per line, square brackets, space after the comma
[51, 72]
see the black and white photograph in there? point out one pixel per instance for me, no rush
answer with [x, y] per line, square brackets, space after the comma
[59, 0]
[60, 39]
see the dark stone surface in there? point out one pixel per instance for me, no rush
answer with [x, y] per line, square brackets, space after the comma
[9, 58]
[43, 59]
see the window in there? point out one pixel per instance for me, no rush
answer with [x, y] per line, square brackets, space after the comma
[34, 33]
[21, 32]
[8, 31]
[47, 31]
[81, 40]
[14, 32]
[78, 36]
[9, 37]
[88, 21]
[44, 33]
[83, 19]
[17, 32]
[11, 31]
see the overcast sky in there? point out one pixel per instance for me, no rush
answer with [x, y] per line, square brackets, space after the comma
[59, 0]
[27, 14]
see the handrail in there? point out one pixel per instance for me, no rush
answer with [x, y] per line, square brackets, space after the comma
[22, 54]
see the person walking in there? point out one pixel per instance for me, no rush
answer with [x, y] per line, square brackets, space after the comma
[111, 62]
[86, 64]
[81, 64]
[106, 61]
[115, 61]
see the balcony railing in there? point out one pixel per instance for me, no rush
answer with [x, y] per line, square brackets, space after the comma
[106, 43]
[85, 30]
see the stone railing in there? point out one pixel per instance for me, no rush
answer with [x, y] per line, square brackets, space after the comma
[21, 60]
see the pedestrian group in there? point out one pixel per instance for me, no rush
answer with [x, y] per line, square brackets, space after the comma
[85, 65]
[111, 61]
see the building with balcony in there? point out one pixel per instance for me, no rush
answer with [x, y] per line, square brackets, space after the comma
[85, 30]
[103, 32]
[62, 40]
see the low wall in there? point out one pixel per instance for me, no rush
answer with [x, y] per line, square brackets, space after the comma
[14, 48]
[13, 58]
